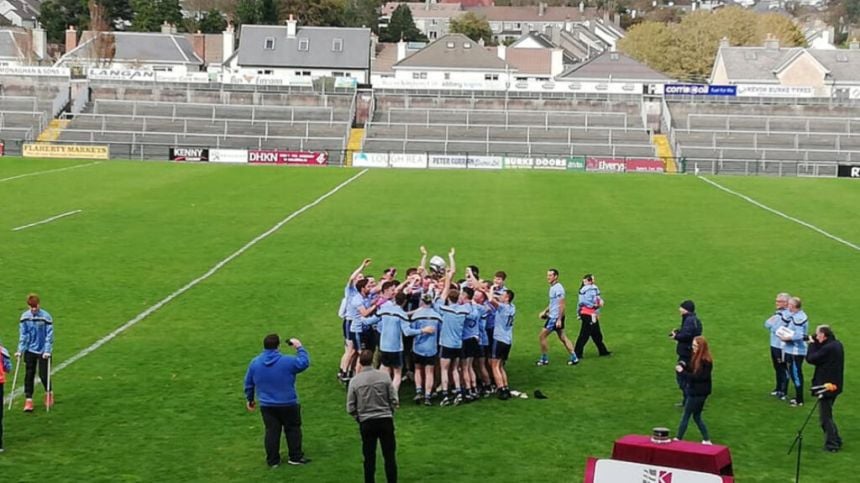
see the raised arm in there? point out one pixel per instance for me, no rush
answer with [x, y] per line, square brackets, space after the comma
[357, 272]
[422, 265]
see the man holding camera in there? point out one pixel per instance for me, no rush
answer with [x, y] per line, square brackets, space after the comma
[828, 357]
[272, 376]
[691, 327]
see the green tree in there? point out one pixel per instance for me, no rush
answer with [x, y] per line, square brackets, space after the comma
[402, 26]
[212, 22]
[329, 13]
[149, 15]
[852, 10]
[247, 12]
[649, 43]
[471, 26]
[56, 15]
[363, 13]
[269, 12]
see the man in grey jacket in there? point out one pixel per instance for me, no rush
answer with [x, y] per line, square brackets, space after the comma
[371, 400]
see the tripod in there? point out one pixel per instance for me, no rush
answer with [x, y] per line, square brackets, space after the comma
[798, 440]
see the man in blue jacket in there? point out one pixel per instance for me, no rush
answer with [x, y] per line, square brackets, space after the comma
[691, 327]
[272, 376]
[35, 343]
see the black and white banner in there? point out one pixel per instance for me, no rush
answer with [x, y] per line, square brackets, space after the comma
[189, 154]
[849, 171]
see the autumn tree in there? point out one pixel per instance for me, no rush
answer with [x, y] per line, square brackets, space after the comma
[472, 26]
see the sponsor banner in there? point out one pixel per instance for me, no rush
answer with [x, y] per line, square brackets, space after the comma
[606, 165]
[454, 161]
[550, 163]
[228, 155]
[613, 471]
[370, 160]
[188, 78]
[518, 163]
[699, 90]
[848, 171]
[189, 154]
[645, 166]
[304, 158]
[34, 70]
[345, 82]
[767, 90]
[407, 160]
[485, 162]
[576, 163]
[121, 74]
[68, 151]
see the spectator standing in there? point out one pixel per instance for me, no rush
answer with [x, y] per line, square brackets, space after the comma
[697, 386]
[828, 356]
[691, 327]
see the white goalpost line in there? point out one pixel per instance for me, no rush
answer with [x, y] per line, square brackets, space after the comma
[212, 271]
[48, 220]
[57, 170]
[780, 214]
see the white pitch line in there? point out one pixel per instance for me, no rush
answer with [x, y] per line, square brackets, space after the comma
[37, 173]
[218, 266]
[48, 220]
[781, 214]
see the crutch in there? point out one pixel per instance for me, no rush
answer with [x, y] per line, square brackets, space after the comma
[50, 396]
[14, 380]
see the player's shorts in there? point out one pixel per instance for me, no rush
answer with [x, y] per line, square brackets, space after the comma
[355, 337]
[471, 348]
[391, 359]
[550, 324]
[346, 324]
[490, 331]
[450, 353]
[485, 351]
[369, 339]
[424, 360]
[500, 350]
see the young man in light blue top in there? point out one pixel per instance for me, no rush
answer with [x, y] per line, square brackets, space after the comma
[393, 325]
[35, 344]
[425, 347]
[453, 318]
[795, 347]
[781, 319]
[349, 350]
[503, 337]
[554, 315]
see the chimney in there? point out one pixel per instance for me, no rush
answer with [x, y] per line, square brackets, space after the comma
[557, 62]
[427, 4]
[568, 24]
[502, 51]
[771, 42]
[401, 50]
[541, 9]
[481, 42]
[291, 27]
[40, 42]
[581, 7]
[724, 42]
[555, 35]
[854, 44]
[165, 27]
[198, 43]
[228, 42]
[71, 38]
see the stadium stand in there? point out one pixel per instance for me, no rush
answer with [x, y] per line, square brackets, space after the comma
[764, 138]
[143, 123]
[403, 123]
[27, 108]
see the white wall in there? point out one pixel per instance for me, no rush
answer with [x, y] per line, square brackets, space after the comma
[439, 76]
[289, 74]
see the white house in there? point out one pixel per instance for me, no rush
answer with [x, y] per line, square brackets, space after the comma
[290, 53]
[432, 19]
[20, 13]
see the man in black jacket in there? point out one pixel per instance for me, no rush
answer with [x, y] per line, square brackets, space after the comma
[691, 327]
[827, 355]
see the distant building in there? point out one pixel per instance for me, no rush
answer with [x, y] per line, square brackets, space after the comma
[615, 67]
[22, 47]
[828, 72]
[451, 61]
[21, 13]
[509, 23]
[432, 19]
[292, 53]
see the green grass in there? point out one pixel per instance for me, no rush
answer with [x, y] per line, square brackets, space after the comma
[164, 401]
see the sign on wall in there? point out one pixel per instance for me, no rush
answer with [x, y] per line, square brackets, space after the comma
[67, 151]
[849, 171]
[274, 156]
[189, 154]
[228, 155]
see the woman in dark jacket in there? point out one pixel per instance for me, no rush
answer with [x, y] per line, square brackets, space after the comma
[697, 387]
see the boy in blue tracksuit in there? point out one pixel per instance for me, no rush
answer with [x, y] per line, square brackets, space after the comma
[795, 347]
[425, 348]
[5, 368]
[35, 343]
[781, 318]
[393, 324]
[271, 377]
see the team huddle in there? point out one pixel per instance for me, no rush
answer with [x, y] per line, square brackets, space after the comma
[453, 337]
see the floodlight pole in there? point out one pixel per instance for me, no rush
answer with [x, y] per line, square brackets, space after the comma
[798, 440]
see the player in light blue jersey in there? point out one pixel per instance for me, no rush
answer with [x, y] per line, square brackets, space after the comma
[393, 325]
[781, 318]
[453, 318]
[554, 316]
[471, 344]
[795, 347]
[503, 337]
[425, 348]
[486, 311]
[349, 349]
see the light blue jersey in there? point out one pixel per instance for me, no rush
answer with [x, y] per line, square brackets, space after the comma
[487, 313]
[453, 319]
[426, 345]
[393, 325]
[36, 332]
[799, 325]
[556, 295]
[588, 296]
[355, 301]
[347, 293]
[471, 327]
[781, 318]
[504, 331]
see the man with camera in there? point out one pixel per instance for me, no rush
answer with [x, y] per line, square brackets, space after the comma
[827, 355]
[272, 376]
[691, 327]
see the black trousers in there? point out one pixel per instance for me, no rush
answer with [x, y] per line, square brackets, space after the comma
[779, 369]
[381, 429]
[832, 440]
[289, 420]
[32, 360]
[589, 328]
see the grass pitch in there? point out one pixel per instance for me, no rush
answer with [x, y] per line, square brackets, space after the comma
[163, 401]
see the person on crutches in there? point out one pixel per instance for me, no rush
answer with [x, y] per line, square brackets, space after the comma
[5, 366]
[35, 343]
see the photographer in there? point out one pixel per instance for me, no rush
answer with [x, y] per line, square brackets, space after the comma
[272, 376]
[827, 355]
[691, 327]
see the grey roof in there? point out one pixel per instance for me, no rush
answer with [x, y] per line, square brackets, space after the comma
[761, 64]
[26, 9]
[454, 51]
[843, 64]
[142, 47]
[616, 66]
[8, 46]
[355, 53]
